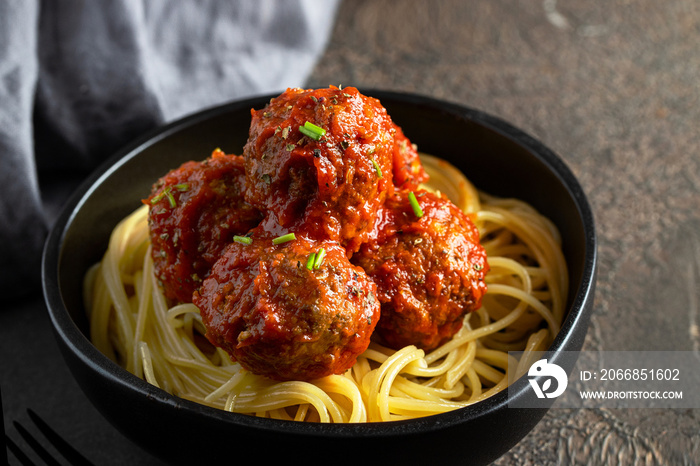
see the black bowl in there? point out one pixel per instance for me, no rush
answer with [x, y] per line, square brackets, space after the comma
[495, 156]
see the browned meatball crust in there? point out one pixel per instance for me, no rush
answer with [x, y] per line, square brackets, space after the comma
[195, 211]
[283, 319]
[429, 270]
[331, 183]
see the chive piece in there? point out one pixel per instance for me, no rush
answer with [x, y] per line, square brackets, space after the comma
[311, 260]
[157, 198]
[319, 258]
[165, 194]
[284, 238]
[377, 168]
[182, 187]
[171, 199]
[414, 205]
[311, 130]
[243, 239]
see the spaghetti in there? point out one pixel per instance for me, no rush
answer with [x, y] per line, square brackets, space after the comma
[131, 323]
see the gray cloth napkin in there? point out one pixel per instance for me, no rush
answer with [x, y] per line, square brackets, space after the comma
[80, 79]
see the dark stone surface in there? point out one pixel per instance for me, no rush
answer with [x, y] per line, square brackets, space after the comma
[613, 88]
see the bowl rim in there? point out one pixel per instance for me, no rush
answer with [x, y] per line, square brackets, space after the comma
[69, 335]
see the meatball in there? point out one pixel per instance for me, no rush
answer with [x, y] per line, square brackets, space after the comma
[280, 316]
[195, 211]
[408, 170]
[428, 266]
[322, 161]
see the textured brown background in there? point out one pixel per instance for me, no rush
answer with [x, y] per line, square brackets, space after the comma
[612, 86]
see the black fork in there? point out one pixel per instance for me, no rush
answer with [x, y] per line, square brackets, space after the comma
[70, 454]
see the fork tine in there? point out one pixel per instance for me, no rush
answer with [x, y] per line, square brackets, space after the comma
[17, 451]
[71, 454]
[5, 439]
[35, 445]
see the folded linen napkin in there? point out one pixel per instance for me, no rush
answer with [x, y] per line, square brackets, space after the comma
[78, 80]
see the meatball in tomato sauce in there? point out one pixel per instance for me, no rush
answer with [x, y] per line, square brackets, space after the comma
[195, 211]
[293, 311]
[322, 161]
[429, 268]
[408, 169]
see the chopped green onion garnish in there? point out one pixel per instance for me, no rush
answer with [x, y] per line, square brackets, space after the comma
[319, 258]
[165, 193]
[311, 130]
[243, 239]
[157, 199]
[182, 187]
[377, 168]
[284, 238]
[310, 262]
[414, 205]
